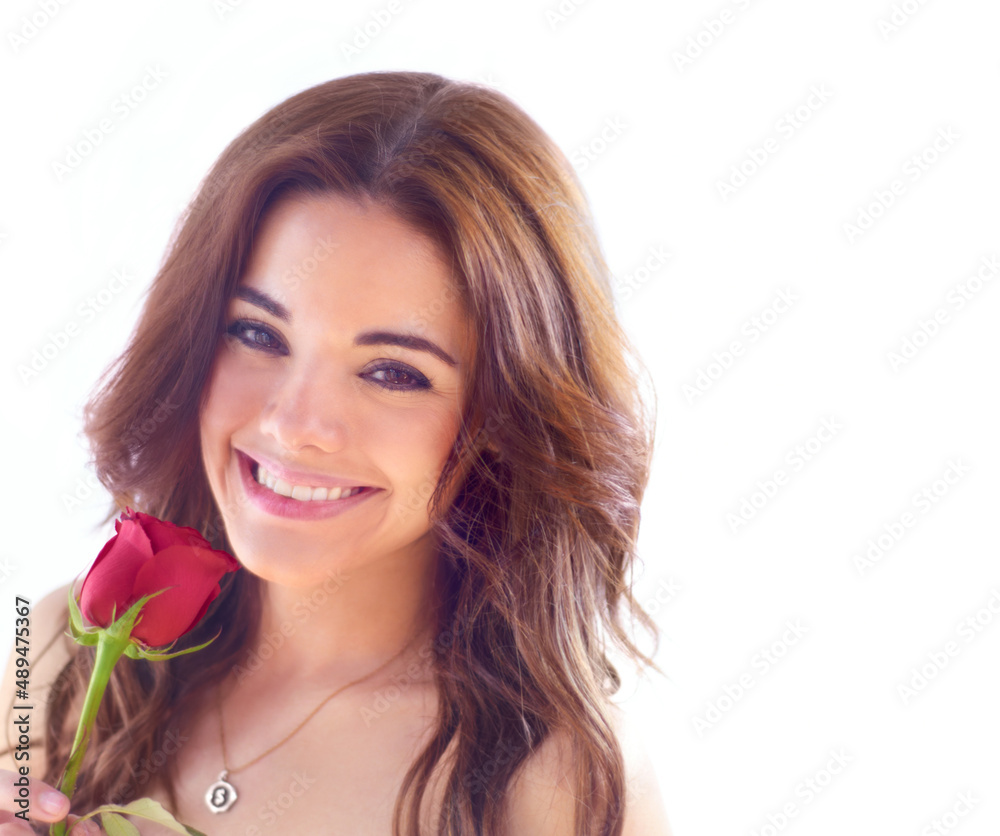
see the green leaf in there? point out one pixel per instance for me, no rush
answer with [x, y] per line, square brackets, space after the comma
[116, 825]
[145, 808]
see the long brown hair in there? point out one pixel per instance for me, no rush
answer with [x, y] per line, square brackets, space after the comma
[539, 535]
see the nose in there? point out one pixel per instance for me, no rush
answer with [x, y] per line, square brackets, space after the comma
[308, 409]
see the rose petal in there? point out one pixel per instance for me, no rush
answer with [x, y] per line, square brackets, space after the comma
[163, 534]
[195, 576]
[110, 581]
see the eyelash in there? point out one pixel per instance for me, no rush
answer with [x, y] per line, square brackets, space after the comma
[238, 327]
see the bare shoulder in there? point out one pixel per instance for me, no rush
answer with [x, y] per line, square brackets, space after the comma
[541, 800]
[48, 650]
[645, 813]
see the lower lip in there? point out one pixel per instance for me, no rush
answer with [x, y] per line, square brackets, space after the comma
[284, 506]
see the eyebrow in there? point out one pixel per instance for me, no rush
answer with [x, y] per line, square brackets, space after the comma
[410, 341]
[262, 300]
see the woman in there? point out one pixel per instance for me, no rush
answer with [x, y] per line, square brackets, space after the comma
[395, 389]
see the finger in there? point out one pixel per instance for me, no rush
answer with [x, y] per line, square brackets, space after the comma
[87, 828]
[39, 800]
[10, 826]
[18, 829]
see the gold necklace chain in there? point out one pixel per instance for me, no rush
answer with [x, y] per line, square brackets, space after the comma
[222, 794]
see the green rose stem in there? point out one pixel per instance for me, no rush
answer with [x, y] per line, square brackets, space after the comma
[110, 648]
[112, 643]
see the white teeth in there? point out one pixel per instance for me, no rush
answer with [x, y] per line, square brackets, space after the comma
[303, 493]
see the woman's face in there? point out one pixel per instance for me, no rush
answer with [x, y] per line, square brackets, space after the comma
[342, 368]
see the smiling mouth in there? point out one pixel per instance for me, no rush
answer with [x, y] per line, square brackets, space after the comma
[302, 493]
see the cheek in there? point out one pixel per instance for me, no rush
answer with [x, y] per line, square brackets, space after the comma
[410, 445]
[434, 438]
[223, 410]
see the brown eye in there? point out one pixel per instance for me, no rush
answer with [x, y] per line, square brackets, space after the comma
[255, 335]
[399, 377]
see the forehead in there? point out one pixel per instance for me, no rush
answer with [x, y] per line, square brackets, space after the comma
[356, 266]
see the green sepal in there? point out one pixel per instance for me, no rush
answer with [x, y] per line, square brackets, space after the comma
[120, 627]
[144, 808]
[123, 626]
[86, 639]
[75, 616]
[158, 656]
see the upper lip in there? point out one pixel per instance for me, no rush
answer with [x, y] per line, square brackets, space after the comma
[307, 478]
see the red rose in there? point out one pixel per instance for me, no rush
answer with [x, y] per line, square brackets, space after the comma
[147, 555]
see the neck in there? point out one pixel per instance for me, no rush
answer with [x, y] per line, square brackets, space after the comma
[348, 624]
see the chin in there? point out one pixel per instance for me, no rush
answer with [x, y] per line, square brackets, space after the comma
[293, 572]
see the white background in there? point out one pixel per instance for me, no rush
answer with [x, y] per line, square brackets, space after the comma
[723, 587]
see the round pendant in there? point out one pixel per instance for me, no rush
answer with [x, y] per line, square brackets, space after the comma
[221, 795]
